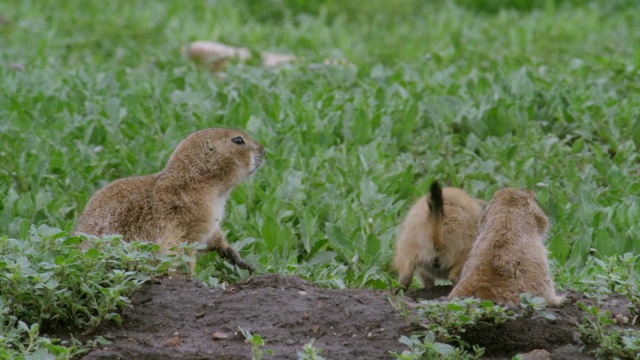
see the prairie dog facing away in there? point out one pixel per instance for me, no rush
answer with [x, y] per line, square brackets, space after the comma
[183, 202]
[509, 257]
[436, 236]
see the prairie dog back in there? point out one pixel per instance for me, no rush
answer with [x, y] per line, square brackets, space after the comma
[509, 257]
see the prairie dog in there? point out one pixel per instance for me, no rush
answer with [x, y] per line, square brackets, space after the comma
[183, 202]
[509, 257]
[437, 235]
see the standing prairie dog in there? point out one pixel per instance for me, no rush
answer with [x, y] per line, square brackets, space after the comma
[437, 235]
[509, 257]
[183, 202]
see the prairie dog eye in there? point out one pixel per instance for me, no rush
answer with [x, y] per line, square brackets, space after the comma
[238, 140]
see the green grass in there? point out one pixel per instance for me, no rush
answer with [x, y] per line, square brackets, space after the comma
[545, 99]
[476, 93]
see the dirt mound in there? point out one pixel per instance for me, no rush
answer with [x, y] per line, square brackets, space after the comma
[524, 334]
[287, 312]
[177, 318]
[436, 292]
[559, 336]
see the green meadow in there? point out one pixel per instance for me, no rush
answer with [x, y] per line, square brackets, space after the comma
[478, 94]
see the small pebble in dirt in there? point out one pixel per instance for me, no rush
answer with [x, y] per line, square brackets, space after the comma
[305, 316]
[290, 342]
[302, 292]
[199, 315]
[539, 354]
[622, 320]
[172, 342]
[219, 335]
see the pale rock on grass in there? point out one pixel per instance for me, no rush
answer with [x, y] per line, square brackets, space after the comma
[215, 55]
[273, 60]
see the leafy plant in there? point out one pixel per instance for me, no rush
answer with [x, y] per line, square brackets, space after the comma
[310, 352]
[601, 276]
[447, 320]
[425, 347]
[333, 275]
[47, 281]
[257, 342]
[530, 305]
[597, 328]
[18, 340]
[444, 322]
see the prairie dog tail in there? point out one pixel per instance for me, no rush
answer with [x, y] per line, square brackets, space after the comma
[436, 213]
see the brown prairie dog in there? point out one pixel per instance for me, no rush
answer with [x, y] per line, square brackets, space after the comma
[509, 257]
[183, 202]
[436, 236]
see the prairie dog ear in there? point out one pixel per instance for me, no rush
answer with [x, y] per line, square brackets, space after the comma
[541, 219]
[532, 202]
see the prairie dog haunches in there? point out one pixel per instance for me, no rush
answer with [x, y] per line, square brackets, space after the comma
[437, 235]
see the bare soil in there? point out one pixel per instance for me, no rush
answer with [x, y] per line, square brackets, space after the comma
[177, 318]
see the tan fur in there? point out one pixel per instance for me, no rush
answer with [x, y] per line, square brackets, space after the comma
[420, 249]
[509, 257]
[183, 202]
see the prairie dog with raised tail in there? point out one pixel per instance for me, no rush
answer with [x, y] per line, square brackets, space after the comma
[183, 202]
[509, 257]
[436, 236]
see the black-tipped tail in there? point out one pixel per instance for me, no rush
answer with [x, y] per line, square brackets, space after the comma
[436, 213]
[436, 204]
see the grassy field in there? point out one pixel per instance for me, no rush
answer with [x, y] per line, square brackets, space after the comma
[541, 94]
